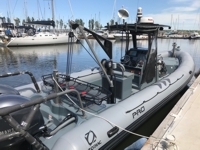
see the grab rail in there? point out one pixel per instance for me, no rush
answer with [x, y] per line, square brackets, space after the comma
[122, 68]
[119, 65]
[20, 130]
[23, 72]
[10, 109]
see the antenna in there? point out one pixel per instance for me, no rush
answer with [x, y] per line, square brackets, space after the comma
[123, 13]
[139, 14]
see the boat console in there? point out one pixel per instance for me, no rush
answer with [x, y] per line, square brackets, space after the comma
[134, 58]
[135, 61]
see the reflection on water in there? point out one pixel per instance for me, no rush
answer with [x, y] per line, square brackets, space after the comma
[42, 60]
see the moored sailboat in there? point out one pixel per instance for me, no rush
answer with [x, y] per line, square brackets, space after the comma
[43, 38]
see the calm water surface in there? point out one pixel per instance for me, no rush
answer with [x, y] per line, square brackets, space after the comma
[41, 60]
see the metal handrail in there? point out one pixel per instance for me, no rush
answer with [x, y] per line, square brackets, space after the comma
[23, 72]
[7, 110]
[21, 130]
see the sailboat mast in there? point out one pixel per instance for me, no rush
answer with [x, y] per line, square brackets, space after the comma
[53, 17]
[9, 11]
[25, 10]
[113, 13]
[38, 10]
[52, 5]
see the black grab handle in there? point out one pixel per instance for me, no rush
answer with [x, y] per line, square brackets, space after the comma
[113, 131]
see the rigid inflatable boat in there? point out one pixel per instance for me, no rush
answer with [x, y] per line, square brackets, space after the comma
[94, 108]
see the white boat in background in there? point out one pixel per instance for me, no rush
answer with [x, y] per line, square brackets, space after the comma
[27, 36]
[142, 37]
[118, 36]
[2, 30]
[110, 35]
[99, 32]
[122, 36]
[3, 26]
[194, 35]
[41, 38]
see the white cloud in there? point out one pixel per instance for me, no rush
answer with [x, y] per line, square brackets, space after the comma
[196, 4]
[179, 9]
[183, 15]
[177, 21]
[183, 6]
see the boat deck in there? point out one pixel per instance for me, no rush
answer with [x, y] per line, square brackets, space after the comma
[180, 128]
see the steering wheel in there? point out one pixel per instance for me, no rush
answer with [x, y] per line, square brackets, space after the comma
[125, 59]
[134, 63]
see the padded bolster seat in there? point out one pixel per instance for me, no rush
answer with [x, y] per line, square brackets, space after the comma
[5, 90]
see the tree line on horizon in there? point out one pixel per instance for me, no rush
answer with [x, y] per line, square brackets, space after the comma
[92, 24]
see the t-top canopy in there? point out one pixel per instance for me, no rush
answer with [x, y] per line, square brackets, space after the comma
[137, 27]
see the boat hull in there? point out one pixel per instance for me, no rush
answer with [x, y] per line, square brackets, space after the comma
[130, 113]
[120, 37]
[39, 40]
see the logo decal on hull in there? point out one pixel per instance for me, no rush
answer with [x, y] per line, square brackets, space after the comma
[90, 137]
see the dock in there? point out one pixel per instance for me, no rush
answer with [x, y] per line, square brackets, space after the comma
[180, 128]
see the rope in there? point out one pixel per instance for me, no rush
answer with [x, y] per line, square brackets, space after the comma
[14, 6]
[69, 60]
[71, 9]
[155, 147]
[113, 124]
[40, 10]
[87, 51]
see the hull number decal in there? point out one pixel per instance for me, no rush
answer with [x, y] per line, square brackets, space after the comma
[138, 111]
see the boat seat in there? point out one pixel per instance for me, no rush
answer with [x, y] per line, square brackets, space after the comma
[8, 90]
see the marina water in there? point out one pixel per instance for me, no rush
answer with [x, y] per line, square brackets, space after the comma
[42, 60]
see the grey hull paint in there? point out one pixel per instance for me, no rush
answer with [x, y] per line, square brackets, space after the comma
[151, 98]
[120, 137]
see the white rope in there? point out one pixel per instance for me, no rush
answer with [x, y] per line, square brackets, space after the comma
[175, 147]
